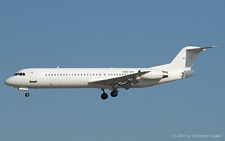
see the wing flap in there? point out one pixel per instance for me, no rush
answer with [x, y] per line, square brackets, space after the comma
[129, 83]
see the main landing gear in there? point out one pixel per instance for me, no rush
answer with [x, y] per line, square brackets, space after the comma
[104, 95]
[114, 93]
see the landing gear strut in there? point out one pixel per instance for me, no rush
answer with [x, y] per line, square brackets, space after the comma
[27, 94]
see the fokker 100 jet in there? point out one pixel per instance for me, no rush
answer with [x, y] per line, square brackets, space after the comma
[107, 78]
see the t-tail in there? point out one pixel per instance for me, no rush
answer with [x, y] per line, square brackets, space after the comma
[185, 59]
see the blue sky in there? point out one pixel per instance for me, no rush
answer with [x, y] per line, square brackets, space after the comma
[112, 34]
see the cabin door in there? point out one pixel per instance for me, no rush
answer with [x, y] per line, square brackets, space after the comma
[33, 76]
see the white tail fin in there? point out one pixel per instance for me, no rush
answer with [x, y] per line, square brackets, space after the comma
[186, 57]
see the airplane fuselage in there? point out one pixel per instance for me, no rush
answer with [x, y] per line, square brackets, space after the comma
[80, 77]
[107, 78]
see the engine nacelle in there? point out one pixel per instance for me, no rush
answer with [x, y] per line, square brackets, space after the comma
[153, 75]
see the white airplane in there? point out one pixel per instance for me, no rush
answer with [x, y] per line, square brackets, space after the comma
[107, 78]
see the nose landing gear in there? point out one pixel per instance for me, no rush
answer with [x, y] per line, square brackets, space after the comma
[27, 94]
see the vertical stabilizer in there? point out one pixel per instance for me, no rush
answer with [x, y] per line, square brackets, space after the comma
[186, 57]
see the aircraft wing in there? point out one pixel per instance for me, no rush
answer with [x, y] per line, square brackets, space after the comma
[126, 82]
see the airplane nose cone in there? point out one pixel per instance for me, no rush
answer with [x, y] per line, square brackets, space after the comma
[8, 82]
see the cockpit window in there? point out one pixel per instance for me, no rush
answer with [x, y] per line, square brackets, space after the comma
[19, 74]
